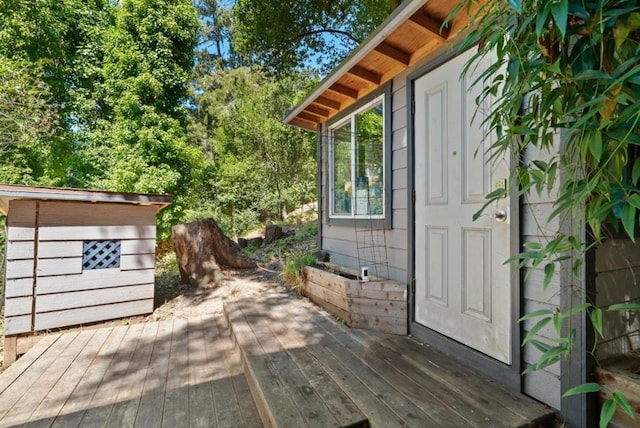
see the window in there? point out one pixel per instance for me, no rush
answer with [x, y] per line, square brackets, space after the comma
[358, 187]
[100, 255]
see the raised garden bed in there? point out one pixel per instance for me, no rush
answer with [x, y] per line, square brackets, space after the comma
[379, 305]
[622, 374]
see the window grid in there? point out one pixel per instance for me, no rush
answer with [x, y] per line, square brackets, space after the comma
[100, 255]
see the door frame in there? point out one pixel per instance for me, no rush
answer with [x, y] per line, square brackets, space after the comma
[507, 374]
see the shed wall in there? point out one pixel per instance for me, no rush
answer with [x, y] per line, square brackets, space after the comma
[341, 241]
[44, 270]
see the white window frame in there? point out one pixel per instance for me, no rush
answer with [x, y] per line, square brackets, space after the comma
[351, 118]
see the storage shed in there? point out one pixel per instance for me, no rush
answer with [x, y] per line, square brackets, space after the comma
[76, 256]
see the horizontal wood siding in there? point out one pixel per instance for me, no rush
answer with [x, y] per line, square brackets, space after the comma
[617, 281]
[94, 279]
[19, 267]
[85, 298]
[66, 294]
[543, 384]
[90, 314]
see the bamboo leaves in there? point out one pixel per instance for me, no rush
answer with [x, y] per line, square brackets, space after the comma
[568, 110]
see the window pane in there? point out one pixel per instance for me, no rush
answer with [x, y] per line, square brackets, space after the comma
[369, 185]
[342, 170]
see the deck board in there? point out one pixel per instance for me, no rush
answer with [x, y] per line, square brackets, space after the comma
[73, 410]
[176, 402]
[191, 372]
[152, 401]
[52, 404]
[241, 411]
[394, 380]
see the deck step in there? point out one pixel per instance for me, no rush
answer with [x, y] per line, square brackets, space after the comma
[289, 385]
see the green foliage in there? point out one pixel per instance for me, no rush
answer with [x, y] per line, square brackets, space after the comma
[139, 142]
[260, 167]
[570, 69]
[292, 272]
[285, 36]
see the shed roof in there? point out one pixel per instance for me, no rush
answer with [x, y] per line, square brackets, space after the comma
[10, 191]
[412, 32]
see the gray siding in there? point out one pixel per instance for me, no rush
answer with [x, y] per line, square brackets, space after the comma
[618, 280]
[44, 272]
[544, 384]
[341, 241]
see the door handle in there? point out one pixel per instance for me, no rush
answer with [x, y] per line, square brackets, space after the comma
[500, 216]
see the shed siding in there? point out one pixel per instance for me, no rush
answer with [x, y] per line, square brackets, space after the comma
[618, 280]
[66, 294]
[19, 269]
[544, 384]
[341, 241]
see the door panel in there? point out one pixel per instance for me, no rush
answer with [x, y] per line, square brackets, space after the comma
[462, 284]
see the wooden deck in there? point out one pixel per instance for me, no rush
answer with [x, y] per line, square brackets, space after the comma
[302, 368]
[176, 373]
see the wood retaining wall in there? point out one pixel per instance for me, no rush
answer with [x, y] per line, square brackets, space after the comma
[374, 305]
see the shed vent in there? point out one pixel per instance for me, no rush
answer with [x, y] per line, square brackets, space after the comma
[100, 255]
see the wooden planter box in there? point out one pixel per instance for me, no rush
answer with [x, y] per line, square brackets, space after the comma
[373, 305]
[622, 374]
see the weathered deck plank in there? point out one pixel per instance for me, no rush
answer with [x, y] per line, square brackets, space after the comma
[52, 404]
[152, 401]
[97, 413]
[393, 379]
[12, 394]
[318, 372]
[73, 410]
[51, 374]
[273, 403]
[202, 411]
[123, 413]
[16, 369]
[248, 413]
[176, 402]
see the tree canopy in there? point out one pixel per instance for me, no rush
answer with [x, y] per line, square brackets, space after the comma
[285, 36]
[171, 96]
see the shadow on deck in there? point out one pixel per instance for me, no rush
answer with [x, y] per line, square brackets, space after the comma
[300, 366]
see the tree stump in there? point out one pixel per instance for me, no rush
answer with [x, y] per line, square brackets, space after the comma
[272, 233]
[202, 248]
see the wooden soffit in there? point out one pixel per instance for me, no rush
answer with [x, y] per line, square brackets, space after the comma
[411, 33]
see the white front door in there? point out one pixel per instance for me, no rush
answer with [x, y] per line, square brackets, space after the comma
[462, 284]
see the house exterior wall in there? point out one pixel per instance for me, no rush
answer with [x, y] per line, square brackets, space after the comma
[341, 241]
[617, 277]
[542, 384]
[44, 271]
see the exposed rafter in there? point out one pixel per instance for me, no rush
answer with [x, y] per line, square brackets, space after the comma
[344, 90]
[430, 24]
[319, 111]
[308, 117]
[334, 105]
[393, 53]
[413, 31]
[366, 75]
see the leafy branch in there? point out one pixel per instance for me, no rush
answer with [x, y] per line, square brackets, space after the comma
[563, 86]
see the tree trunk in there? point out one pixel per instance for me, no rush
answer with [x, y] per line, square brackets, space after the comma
[202, 248]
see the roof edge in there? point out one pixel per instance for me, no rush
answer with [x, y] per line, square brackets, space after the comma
[16, 191]
[393, 21]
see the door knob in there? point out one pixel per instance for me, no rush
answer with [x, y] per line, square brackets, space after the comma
[501, 216]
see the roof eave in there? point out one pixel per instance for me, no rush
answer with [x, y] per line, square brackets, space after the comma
[397, 18]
